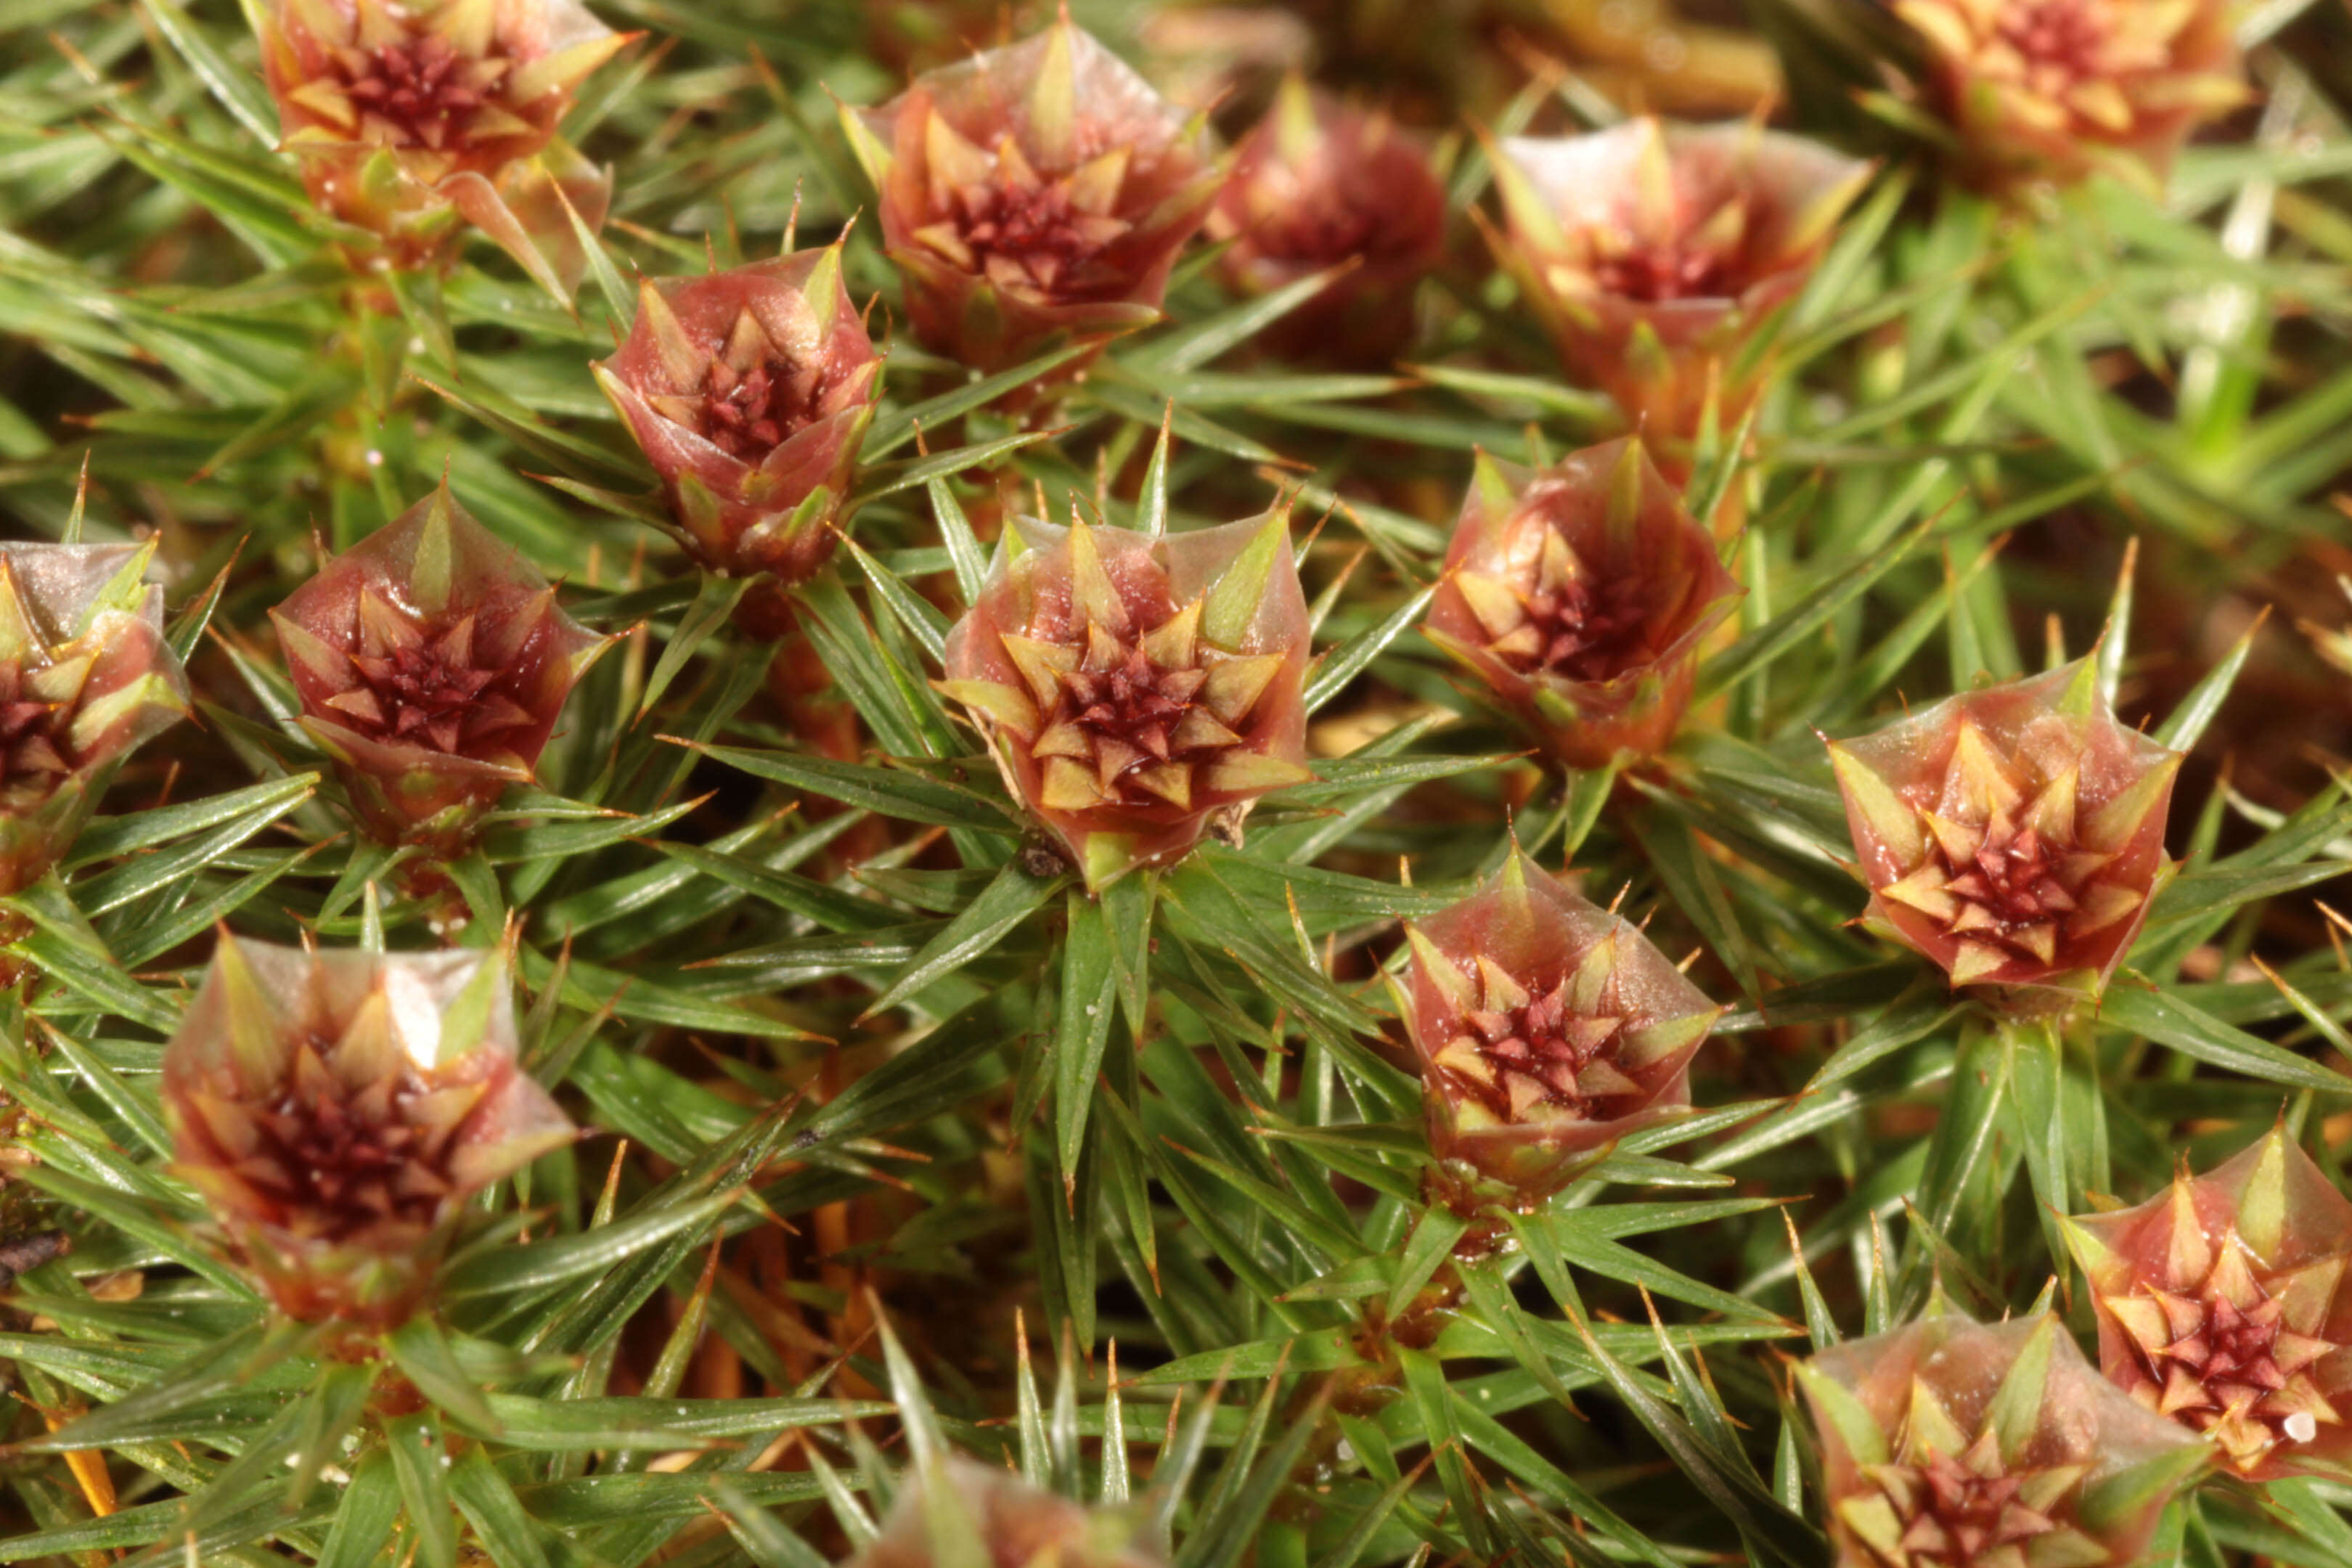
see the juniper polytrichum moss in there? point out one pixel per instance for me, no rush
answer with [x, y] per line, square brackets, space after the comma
[917, 783]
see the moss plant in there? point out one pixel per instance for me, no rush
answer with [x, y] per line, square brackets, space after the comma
[678, 893]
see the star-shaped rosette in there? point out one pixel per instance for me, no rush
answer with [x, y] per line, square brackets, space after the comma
[1033, 194]
[1955, 1444]
[1661, 255]
[85, 676]
[2222, 1305]
[1579, 595]
[956, 1512]
[1548, 1028]
[750, 391]
[1138, 688]
[2059, 90]
[2014, 835]
[1319, 183]
[337, 1110]
[432, 662]
[408, 119]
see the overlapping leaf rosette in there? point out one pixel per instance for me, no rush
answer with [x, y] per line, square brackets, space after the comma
[2014, 835]
[85, 676]
[1661, 257]
[432, 662]
[2058, 89]
[1319, 183]
[1033, 194]
[957, 1511]
[1579, 594]
[1955, 1444]
[409, 119]
[1548, 1028]
[337, 1110]
[1138, 689]
[750, 391]
[2222, 1305]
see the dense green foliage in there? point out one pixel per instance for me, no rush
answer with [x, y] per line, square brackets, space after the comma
[852, 1056]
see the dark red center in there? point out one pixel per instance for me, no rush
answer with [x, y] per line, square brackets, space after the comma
[335, 1171]
[1590, 631]
[749, 414]
[2239, 1346]
[1136, 704]
[1544, 1045]
[2015, 879]
[2232, 1354]
[2070, 35]
[1972, 1512]
[1033, 231]
[1331, 226]
[1656, 274]
[429, 695]
[417, 88]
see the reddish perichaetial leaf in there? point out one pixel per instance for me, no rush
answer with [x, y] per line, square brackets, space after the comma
[1319, 183]
[959, 1511]
[1138, 689]
[750, 391]
[1955, 1444]
[408, 121]
[85, 676]
[1034, 193]
[2014, 834]
[337, 1110]
[432, 662]
[1579, 594]
[1656, 253]
[1548, 1028]
[2221, 1304]
[2059, 90]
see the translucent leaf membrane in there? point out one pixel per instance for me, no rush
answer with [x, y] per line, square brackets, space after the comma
[1321, 184]
[957, 1511]
[408, 121]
